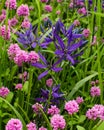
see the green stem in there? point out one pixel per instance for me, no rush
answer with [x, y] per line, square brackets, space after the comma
[46, 119]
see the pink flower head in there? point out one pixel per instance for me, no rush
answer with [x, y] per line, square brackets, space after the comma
[18, 86]
[12, 22]
[58, 122]
[44, 1]
[95, 91]
[42, 128]
[25, 23]
[21, 57]
[97, 111]
[24, 76]
[76, 22]
[31, 126]
[86, 33]
[36, 107]
[94, 40]
[79, 100]
[5, 32]
[49, 82]
[4, 91]
[72, 107]
[58, 12]
[71, 5]
[92, 83]
[12, 50]
[59, 1]
[12, 4]
[23, 10]
[33, 57]
[48, 8]
[53, 110]
[82, 11]
[14, 124]
[3, 15]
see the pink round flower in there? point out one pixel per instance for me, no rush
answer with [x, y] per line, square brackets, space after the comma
[21, 57]
[72, 107]
[76, 22]
[4, 91]
[86, 33]
[95, 91]
[48, 8]
[58, 122]
[12, 22]
[14, 124]
[97, 111]
[23, 10]
[59, 1]
[33, 57]
[79, 100]
[3, 15]
[18, 86]
[5, 32]
[31, 126]
[82, 11]
[53, 110]
[49, 82]
[44, 1]
[12, 4]
[58, 12]
[42, 128]
[36, 107]
[12, 50]
[25, 23]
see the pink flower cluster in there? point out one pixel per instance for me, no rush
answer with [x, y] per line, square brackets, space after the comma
[20, 56]
[12, 4]
[79, 100]
[82, 11]
[42, 128]
[18, 86]
[53, 110]
[12, 22]
[23, 10]
[71, 107]
[58, 122]
[97, 111]
[49, 82]
[14, 124]
[86, 33]
[25, 23]
[5, 32]
[3, 15]
[36, 107]
[95, 91]
[44, 1]
[31, 126]
[4, 91]
[48, 8]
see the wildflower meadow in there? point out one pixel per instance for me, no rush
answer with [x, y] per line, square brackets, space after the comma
[51, 65]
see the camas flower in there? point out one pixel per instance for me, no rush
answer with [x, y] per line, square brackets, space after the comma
[27, 39]
[46, 66]
[56, 97]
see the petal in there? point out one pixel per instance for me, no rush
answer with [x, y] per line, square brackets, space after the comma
[39, 65]
[77, 35]
[56, 88]
[75, 46]
[57, 62]
[42, 74]
[42, 58]
[59, 52]
[60, 41]
[56, 69]
[70, 59]
[34, 44]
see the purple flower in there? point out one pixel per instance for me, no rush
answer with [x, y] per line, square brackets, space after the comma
[46, 66]
[27, 39]
[55, 98]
